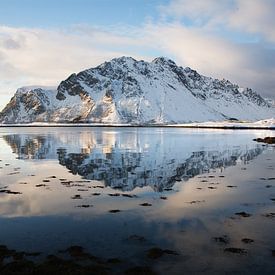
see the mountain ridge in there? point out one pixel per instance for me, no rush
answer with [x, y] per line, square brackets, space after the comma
[124, 90]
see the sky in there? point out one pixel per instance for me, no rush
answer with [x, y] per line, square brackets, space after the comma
[43, 41]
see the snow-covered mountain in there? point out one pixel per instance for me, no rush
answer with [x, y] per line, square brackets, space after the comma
[125, 90]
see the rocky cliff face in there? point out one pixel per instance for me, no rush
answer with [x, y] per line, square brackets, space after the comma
[124, 90]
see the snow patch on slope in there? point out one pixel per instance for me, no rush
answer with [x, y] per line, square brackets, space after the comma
[124, 90]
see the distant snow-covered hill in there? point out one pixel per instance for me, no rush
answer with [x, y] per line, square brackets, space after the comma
[124, 90]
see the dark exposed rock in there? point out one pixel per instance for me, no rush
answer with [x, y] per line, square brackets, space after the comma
[40, 185]
[196, 201]
[163, 198]
[247, 240]
[114, 211]
[75, 197]
[243, 214]
[234, 250]
[269, 215]
[222, 240]
[114, 195]
[129, 196]
[146, 204]
[156, 252]
[77, 252]
[85, 206]
[268, 140]
[10, 192]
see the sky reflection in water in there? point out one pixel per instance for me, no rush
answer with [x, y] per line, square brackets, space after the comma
[195, 181]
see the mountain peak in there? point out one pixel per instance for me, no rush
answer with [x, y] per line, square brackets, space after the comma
[124, 59]
[124, 90]
[162, 60]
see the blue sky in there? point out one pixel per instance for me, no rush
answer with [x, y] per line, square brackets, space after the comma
[44, 41]
[61, 13]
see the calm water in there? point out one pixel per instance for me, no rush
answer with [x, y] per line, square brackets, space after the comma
[177, 190]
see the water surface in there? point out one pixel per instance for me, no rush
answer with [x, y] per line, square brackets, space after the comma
[172, 189]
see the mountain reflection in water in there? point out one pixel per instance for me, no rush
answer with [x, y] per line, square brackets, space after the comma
[52, 199]
[132, 158]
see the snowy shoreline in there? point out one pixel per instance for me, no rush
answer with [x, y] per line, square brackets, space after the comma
[268, 124]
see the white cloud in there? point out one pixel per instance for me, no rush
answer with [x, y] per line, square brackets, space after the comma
[200, 11]
[250, 65]
[45, 57]
[246, 16]
[255, 16]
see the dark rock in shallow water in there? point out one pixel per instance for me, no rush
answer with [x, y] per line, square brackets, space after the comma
[114, 211]
[155, 252]
[269, 215]
[235, 250]
[76, 251]
[41, 185]
[10, 192]
[114, 195]
[75, 197]
[193, 202]
[163, 198]
[129, 196]
[85, 205]
[146, 204]
[79, 262]
[243, 214]
[247, 240]
[268, 140]
[222, 240]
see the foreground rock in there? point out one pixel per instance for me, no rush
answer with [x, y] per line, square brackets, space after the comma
[268, 140]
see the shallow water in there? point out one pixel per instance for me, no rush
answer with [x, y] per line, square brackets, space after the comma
[61, 184]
